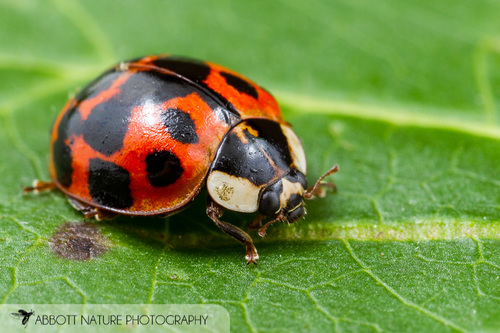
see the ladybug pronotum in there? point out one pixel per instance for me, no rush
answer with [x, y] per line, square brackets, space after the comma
[147, 135]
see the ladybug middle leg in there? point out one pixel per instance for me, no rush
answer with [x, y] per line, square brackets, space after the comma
[256, 223]
[215, 211]
[39, 186]
[89, 211]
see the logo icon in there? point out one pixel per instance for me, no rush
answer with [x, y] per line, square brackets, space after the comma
[23, 314]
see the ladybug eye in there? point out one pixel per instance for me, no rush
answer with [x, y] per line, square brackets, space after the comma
[270, 200]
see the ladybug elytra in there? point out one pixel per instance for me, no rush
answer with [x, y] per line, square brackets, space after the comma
[147, 135]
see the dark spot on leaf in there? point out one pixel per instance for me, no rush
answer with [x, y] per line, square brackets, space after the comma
[79, 241]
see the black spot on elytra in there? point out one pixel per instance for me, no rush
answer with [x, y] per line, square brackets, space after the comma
[108, 122]
[78, 241]
[179, 125]
[241, 85]
[254, 159]
[64, 168]
[61, 151]
[71, 124]
[163, 168]
[193, 70]
[109, 184]
[197, 72]
[106, 126]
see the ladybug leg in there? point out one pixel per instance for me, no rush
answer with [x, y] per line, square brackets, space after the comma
[318, 190]
[215, 211]
[279, 218]
[89, 211]
[256, 222]
[39, 186]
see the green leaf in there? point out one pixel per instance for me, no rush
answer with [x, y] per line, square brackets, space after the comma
[402, 95]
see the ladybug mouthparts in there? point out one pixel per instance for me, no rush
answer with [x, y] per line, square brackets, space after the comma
[285, 198]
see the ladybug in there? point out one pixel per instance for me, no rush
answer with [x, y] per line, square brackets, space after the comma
[148, 135]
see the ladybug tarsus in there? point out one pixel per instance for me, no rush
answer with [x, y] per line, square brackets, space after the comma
[214, 212]
[39, 186]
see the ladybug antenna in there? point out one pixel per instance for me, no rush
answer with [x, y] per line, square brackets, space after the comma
[316, 190]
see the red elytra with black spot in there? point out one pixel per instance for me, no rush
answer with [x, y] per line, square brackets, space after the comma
[139, 92]
[147, 135]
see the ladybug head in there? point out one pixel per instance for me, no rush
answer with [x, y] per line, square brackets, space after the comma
[284, 199]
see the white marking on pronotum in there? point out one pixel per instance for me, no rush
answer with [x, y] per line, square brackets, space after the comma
[296, 149]
[289, 188]
[234, 193]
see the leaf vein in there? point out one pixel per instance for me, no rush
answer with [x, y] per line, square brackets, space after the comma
[399, 297]
[88, 27]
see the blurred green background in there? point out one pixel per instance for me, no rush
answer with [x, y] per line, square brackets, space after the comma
[402, 95]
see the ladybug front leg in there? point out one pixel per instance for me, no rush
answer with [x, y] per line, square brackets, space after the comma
[318, 189]
[215, 211]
